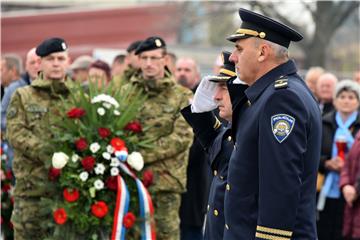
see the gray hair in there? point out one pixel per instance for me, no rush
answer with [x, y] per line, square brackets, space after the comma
[347, 85]
[281, 53]
[13, 61]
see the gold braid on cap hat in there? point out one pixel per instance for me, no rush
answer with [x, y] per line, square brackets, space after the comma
[250, 32]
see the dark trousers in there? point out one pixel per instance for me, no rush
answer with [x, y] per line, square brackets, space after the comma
[329, 224]
[190, 233]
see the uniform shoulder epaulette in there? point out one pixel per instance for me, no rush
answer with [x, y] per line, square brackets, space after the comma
[281, 83]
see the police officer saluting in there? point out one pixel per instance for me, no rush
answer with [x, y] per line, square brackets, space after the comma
[271, 186]
[28, 120]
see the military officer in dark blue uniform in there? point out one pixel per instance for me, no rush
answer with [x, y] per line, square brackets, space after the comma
[215, 137]
[272, 172]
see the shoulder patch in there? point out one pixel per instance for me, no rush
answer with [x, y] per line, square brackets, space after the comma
[281, 83]
[281, 126]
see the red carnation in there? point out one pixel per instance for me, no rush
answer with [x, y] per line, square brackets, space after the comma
[54, 173]
[99, 209]
[129, 220]
[88, 163]
[117, 143]
[134, 126]
[81, 144]
[111, 183]
[104, 132]
[148, 178]
[76, 113]
[60, 216]
[71, 194]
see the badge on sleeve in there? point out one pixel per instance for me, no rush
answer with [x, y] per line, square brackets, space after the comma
[282, 125]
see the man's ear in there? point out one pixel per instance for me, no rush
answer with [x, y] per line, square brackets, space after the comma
[264, 51]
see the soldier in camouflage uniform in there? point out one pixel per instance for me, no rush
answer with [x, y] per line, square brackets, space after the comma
[28, 118]
[132, 62]
[168, 160]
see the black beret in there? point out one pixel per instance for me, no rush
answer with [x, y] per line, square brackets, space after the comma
[133, 46]
[50, 46]
[227, 70]
[150, 43]
[256, 25]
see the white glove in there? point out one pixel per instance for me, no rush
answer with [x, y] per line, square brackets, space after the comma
[204, 96]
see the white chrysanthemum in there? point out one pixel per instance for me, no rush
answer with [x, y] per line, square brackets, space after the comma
[75, 158]
[114, 162]
[94, 147]
[101, 111]
[106, 105]
[105, 98]
[106, 155]
[99, 169]
[114, 171]
[59, 160]
[109, 149]
[84, 176]
[136, 161]
[116, 112]
[99, 184]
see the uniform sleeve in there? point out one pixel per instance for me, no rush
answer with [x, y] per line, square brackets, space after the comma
[205, 125]
[282, 145]
[18, 133]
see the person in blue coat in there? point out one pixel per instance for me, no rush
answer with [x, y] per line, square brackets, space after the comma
[271, 185]
[215, 137]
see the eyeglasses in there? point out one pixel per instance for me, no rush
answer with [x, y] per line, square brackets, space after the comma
[152, 58]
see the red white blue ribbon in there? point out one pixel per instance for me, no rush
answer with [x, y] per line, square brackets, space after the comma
[121, 208]
[146, 209]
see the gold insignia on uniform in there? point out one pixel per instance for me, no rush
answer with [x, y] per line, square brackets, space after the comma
[11, 113]
[272, 233]
[217, 124]
[281, 83]
[262, 35]
[248, 103]
[158, 43]
[222, 58]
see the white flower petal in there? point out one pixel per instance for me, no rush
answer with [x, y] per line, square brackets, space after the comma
[106, 155]
[116, 112]
[99, 169]
[101, 111]
[99, 184]
[94, 147]
[59, 160]
[109, 149]
[136, 161]
[114, 171]
[75, 158]
[84, 176]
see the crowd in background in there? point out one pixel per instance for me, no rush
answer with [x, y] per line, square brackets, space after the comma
[339, 101]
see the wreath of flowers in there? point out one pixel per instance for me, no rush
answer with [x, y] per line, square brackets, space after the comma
[96, 133]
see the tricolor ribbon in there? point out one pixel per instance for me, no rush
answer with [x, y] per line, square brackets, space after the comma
[121, 208]
[146, 210]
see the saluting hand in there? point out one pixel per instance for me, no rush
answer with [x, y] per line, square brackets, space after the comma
[204, 96]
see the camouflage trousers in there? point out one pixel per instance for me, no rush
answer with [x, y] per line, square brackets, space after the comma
[167, 220]
[29, 219]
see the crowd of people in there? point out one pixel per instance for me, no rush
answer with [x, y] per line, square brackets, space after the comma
[251, 152]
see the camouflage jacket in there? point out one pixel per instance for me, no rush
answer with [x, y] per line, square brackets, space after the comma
[28, 119]
[120, 80]
[161, 113]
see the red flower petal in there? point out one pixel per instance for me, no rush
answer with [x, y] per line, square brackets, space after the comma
[60, 216]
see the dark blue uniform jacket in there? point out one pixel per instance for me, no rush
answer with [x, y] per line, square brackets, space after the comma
[217, 141]
[272, 171]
